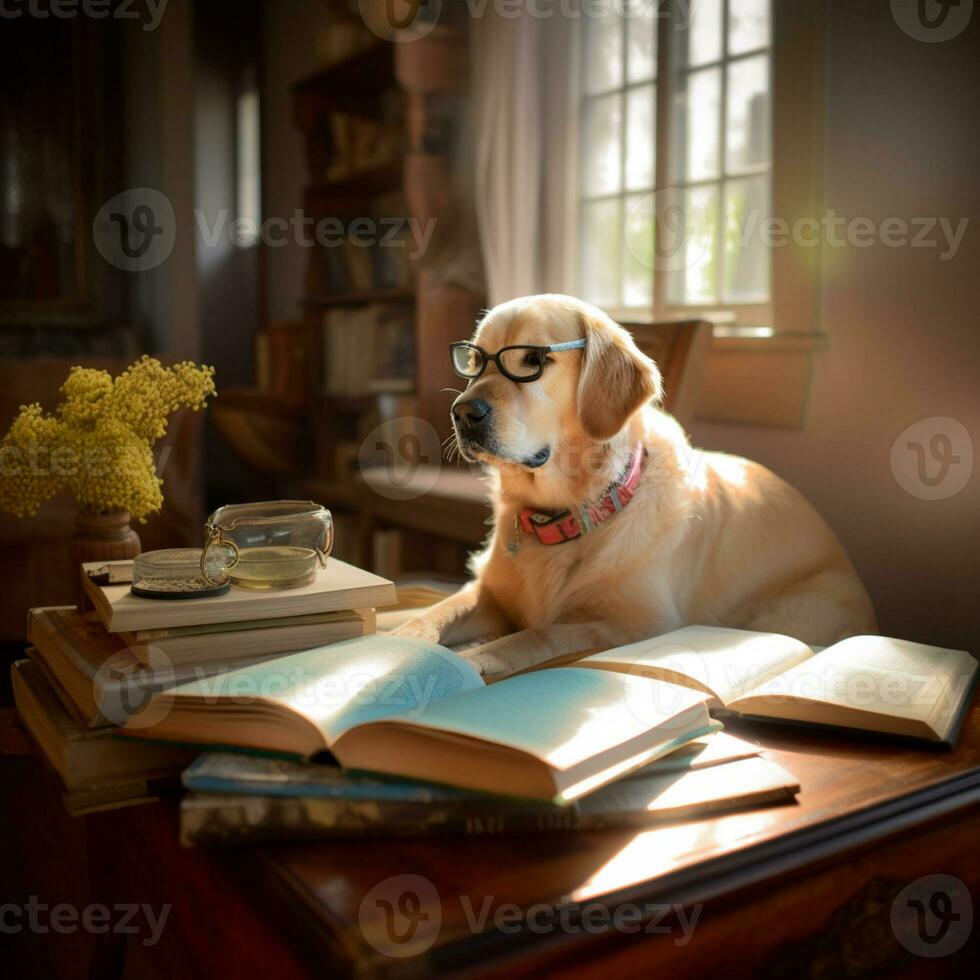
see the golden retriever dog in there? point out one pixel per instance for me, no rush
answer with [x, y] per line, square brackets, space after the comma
[703, 537]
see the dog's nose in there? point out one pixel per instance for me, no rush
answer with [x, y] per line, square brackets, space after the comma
[471, 413]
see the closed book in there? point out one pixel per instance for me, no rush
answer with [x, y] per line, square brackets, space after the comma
[85, 759]
[99, 679]
[339, 586]
[235, 643]
[656, 797]
[115, 795]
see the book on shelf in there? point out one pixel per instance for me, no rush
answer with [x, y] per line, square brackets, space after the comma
[348, 350]
[337, 587]
[867, 683]
[369, 349]
[399, 244]
[661, 792]
[86, 759]
[416, 710]
[360, 265]
[395, 345]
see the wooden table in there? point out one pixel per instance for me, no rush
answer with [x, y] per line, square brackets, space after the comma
[788, 891]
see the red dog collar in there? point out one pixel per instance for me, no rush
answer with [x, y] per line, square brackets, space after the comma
[566, 526]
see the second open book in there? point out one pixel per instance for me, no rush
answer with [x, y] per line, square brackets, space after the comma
[872, 683]
[407, 708]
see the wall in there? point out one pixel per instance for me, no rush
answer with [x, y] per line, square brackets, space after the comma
[229, 275]
[903, 140]
[158, 96]
[290, 30]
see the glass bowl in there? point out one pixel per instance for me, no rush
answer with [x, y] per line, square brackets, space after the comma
[178, 573]
[277, 544]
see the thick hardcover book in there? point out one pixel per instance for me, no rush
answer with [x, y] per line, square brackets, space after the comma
[101, 681]
[236, 643]
[635, 802]
[85, 759]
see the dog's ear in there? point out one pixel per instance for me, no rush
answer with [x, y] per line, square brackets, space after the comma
[617, 378]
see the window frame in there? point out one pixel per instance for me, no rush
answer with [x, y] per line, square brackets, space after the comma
[733, 318]
[756, 375]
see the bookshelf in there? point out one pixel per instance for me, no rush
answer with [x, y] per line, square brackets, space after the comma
[371, 337]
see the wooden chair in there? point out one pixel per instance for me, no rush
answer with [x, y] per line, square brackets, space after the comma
[679, 349]
[448, 520]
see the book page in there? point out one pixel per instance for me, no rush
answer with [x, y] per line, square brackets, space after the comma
[563, 717]
[347, 683]
[724, 662]
[896, 678]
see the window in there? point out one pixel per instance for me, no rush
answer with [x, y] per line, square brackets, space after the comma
[618, 157]
[670, 214]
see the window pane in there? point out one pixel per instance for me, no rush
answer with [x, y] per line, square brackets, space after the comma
[687, 245]
[638, 255]
[603, 145]
[603, 53]
[704, 34]
[746, 255]
[641, 40]
[748, 25]
[602, 237]
[640, 129]
[695, 128]
[748, 136]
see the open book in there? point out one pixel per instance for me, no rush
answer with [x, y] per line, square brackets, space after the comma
[408, 708]
[872, 683]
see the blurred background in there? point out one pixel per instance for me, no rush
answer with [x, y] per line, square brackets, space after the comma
[317, 196]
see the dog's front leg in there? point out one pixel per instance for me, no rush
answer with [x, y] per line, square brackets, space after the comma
[534, 647]
[468, 615]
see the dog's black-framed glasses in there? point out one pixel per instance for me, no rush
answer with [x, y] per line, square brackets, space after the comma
[520, 362]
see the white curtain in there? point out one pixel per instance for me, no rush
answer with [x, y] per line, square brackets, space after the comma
[525, 102]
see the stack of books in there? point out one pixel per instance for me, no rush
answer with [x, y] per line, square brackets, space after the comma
[623, 737]
[89, 673]
[235, 799]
